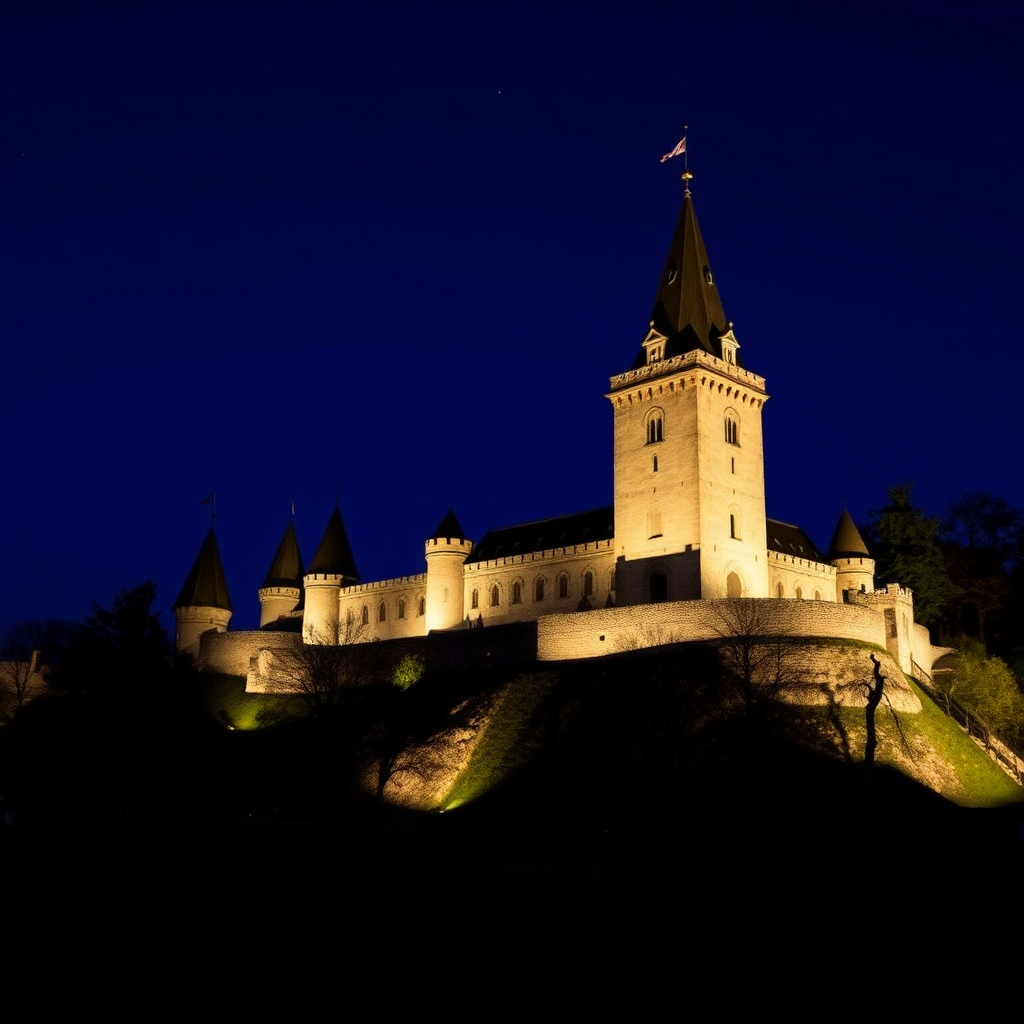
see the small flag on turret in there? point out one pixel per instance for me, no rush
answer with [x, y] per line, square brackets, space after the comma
[678, 151]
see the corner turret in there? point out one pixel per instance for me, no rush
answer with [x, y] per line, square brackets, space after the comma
[855, 568]
[446, 553]
[332, 568]
[203, 605]
[282, 588]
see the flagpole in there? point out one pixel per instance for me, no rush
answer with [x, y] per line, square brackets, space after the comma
[687, 177]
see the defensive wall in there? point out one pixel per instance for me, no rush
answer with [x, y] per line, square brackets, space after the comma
[609, 630]
[230, 653]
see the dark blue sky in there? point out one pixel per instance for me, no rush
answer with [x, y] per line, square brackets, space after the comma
[268, 247]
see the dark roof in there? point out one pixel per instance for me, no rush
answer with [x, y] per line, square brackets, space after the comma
[847, 541]
[560, 532]
[449, 527]
[206, 586]
[791, 540]
[334, 556]
[286, 568]
[687, 309]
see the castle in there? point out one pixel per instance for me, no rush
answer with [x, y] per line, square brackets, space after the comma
[688, 526]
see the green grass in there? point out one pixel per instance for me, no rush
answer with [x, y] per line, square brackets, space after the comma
[229, 704]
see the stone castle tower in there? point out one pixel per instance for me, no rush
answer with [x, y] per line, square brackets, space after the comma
[203, 605]
[689, 459]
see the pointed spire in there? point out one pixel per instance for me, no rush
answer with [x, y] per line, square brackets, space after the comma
[449, 527]
[846, 540]
[206, 586]
[286, 568]
[334, 555]
[688, 310]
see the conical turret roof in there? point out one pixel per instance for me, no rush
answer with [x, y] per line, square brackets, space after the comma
[687, 310]
[846, 540]
[206, 586]
[449, 527]
[334, 555]
[286, 568]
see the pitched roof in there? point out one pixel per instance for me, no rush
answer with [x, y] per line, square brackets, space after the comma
[334, 555]
[846, 540]
[449, 527]
[560, 532]
[687, 310]
[206, 586]
[286, 568]
[791, 540]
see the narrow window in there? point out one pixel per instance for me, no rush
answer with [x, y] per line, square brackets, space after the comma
[423, 606]
[732, 431]
[495, 595]
[588, 584]
[734, 466]
[563, 585]
[778, 589]
[517, 592]
[401, 608]
[799, 594]
[382, 613]
[474, 599]
[538, 590]
[366, 615]
[655, 428]
[655, 463]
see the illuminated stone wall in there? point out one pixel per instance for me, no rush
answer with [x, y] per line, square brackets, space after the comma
[801, 578]
[231, 653]
[385, 610]
[562, 572]
[611, 630]
[445, 557]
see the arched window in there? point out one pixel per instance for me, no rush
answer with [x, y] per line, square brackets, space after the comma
[423, 606]
[655, 429]
[563, 585]
[733, 585]
[366, 616]
[734, 526]
[732, 429]
[517, 592]
[588, 584]
[382, 612]
[401, 607]
[817, 595]
[538, 589]
[495, 596]
[778, 589]
[474, 599]
[798, 593]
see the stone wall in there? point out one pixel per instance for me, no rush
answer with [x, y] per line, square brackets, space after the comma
[608, 630]
[230, 653]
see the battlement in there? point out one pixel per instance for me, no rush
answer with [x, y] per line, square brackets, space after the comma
[378, 585]
[588, 547]
[678, 364]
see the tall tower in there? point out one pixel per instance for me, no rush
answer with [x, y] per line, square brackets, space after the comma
[332, 568]
[282, 586]
[689, 459]
[446, 554]
[203, 605]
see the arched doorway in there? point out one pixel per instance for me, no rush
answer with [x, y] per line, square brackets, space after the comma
[733, 585]
[658, 587]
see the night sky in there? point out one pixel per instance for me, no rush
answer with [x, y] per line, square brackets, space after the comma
[396, 250]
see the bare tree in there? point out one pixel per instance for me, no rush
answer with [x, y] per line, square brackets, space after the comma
[322, 672]
[755, 650]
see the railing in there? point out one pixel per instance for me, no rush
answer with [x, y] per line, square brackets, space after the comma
[1002, 753]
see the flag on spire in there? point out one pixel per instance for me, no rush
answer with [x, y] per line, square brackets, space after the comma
[678, 151]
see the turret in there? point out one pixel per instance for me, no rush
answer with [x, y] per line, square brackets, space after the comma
[203, 606]
[282, 586]
[332, 568]
[855, 568]
[446, 553]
